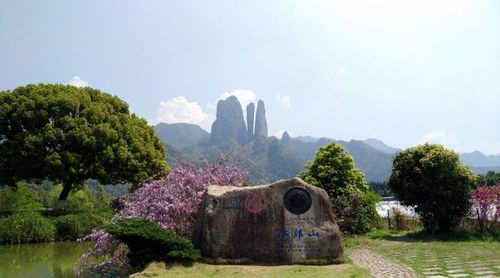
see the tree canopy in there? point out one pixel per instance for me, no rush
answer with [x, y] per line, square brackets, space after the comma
[433, 180]
[69, 134]
[333, 169]
[353, 203]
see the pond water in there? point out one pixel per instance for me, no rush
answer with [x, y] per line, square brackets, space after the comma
[40, 260]
[388, 206]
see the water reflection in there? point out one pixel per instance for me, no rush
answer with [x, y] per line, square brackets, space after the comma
[42, 260]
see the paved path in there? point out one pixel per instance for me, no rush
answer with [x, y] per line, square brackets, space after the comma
[378, 265]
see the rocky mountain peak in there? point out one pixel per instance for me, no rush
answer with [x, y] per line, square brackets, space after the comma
[260, 120]
[285, 138]
[229, 122]
[250, 119]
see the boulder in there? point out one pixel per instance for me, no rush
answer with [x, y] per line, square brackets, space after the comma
[286, 222]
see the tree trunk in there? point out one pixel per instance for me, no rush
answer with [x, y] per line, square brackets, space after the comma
[63, 197]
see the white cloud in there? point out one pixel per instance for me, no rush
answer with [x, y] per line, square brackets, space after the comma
[342, 70]
[78, 82]
[284, 100]
[278, 133]
[244, 96]
[180, 110]
[440, 137]
[451, 141]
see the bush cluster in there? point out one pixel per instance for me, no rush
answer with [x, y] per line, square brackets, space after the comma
[30, 226]
[148, 241]
[356, 213]
[75, 226]
[26, 226]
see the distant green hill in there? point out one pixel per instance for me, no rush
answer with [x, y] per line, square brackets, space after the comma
[181, 134]
[379, 145]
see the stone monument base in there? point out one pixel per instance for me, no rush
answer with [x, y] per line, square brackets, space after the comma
[286, 222]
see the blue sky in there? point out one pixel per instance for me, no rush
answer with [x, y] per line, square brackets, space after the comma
[404, 72]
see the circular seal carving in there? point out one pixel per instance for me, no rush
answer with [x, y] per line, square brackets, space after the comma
[297, 200]
[255, 202]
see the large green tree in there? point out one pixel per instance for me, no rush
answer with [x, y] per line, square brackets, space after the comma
[433, 180]
[69, 134]
[353, 203]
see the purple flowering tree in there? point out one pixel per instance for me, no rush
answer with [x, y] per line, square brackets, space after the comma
[487, 205]
[172, 202]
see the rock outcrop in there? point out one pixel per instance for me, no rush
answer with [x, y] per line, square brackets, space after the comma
[229, 122]
[286, 222]
[260, 120]
[285, 138]
[250, 119]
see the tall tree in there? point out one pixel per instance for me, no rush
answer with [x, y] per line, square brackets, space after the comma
[353, 202]
[69, 134]
[432, 179]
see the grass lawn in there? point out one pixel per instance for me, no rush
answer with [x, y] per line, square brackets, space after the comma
[446, 255]
[206, 270]
[431, 258]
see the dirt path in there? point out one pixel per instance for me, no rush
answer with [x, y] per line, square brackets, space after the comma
[378, 265]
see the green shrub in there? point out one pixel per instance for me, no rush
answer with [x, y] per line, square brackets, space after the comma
[432, 179]
[353, 202]
[83, 200]
[147, 241]
[23, 227]
[356, 213]
[74, 226]
[399, 221]
[19, 198]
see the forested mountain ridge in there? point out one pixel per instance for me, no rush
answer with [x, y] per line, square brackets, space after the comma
[269, 158]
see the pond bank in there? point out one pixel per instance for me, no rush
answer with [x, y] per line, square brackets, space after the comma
[41, 260]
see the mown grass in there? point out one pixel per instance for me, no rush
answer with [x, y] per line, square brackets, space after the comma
[463, 251]
[207, 270]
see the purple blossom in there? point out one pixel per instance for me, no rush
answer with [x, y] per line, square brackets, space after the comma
[487, 205]
[172, 202]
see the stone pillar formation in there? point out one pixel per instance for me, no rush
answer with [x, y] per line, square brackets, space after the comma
[229, 122]
[260, 120]
[250, 119]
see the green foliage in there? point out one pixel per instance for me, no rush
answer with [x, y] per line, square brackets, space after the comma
[356, 213]
[399, 221]
[69, 134]
[27, 226]
[432, 179]
[147, 241]
[333, 170]
[19, 198]
[75, 226]
[353, 203]
[83, 199]
[380, 188]
[491, 178]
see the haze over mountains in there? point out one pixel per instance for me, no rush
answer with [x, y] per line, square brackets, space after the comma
[269, 158]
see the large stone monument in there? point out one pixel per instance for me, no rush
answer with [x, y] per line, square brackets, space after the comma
[286, 222]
